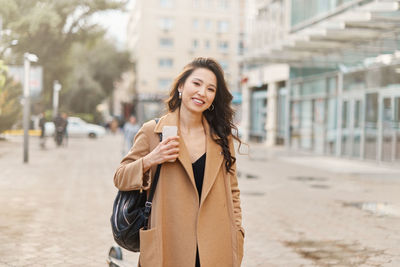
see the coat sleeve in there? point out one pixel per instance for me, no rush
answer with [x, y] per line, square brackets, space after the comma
[237, 211]
[130, 175]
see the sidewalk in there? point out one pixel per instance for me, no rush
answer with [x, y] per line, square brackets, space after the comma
[327, 163]
[298, 210]
[305, 210]
[55, 210]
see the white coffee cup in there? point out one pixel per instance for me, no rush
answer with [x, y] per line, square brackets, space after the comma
[169, 131]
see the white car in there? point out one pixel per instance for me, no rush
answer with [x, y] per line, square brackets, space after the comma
[77, 128]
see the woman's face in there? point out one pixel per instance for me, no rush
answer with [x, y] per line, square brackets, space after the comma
[198, 91]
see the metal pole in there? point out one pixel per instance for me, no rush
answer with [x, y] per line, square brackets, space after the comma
[288, 116]
[56, 90]
[380, 128]
[339, 113]
[26, 114]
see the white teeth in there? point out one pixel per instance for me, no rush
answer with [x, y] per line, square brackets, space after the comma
[198, 101]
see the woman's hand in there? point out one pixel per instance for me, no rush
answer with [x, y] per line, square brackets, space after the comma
[167, 150]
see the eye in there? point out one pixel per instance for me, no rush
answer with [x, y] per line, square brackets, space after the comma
[211, 89]
[196, 83]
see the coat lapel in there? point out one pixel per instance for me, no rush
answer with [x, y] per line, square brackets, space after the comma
[184, 158]
[214, 160]
[214, 157]
[172, 119]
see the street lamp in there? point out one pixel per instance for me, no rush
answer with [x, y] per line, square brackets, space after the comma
[6, 45]
[56, 89]
[28, 58]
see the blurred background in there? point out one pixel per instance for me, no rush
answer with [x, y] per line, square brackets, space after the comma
[315, 85]
[321, 76]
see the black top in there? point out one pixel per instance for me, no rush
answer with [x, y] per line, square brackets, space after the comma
[198, 171]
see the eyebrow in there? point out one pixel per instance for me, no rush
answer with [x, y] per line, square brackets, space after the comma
[203, 82]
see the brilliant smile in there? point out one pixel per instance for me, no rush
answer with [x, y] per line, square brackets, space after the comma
[198, 101]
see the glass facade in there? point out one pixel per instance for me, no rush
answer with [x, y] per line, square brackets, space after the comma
[258, 105]
[390, 126]
[281, 116]
[313, 114]
[360, 120]
[305, 10]
[378, 77]
[371, 126]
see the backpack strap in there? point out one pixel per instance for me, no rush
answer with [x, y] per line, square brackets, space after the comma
[149, 201]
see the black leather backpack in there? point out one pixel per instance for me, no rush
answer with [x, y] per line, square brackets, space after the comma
[131, 212]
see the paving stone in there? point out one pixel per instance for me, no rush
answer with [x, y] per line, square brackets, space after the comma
[58, 208]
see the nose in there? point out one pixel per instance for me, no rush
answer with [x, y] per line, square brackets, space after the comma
[202, 90]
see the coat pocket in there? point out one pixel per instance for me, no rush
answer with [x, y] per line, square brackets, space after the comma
[240, 241]
[150, 255]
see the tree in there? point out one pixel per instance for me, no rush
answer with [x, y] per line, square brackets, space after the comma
[10, 94]
[95, 66]
[49, 28]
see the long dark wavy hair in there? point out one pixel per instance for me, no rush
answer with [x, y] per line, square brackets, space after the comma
[221, 117]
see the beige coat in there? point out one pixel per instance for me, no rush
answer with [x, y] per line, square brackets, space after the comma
[178, 222]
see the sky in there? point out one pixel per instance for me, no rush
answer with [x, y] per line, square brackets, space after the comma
[115, 22]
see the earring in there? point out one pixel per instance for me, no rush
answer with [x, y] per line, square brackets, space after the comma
[180, 95]
[211, 108]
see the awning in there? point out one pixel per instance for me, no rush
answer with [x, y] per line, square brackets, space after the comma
[348, 37]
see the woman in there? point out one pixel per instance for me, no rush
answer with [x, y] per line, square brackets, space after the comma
[196, 216]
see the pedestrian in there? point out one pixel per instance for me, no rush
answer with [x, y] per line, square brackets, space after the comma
[42, 123]
[130, 129]
[60, 124]
[64, 115]
[196, 217]
[114, 125]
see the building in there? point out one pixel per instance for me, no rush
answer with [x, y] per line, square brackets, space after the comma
[264, 83]
[343, 92]
[164, 35]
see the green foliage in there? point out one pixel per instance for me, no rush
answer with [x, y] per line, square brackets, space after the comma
[107, 64]
[10, 94]
[49, 29]
[96, 65]
[3, 73]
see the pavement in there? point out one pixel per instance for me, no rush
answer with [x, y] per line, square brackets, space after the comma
[298, 209]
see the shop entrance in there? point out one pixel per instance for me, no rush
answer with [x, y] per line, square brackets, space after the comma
[352, 119]
[390, 129]
[258, 108]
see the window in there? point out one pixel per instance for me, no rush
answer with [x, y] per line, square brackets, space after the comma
[357, 114]
[332, 85]
[166, 23]
[223, 46]
[165, 62]
[397, 110]
[241, 47]
[208, 25]
[223, 4]
[196, 3]
[224, 65]
[196, 24]
[166, 42]
[164, 84]
[371, 110]
[207, 44]
[307, 9]
[345, 114]
[166, 3]
[223, 26]
[195, 44]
